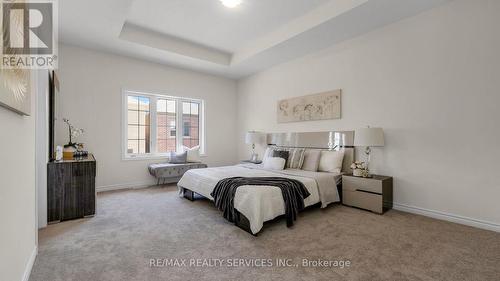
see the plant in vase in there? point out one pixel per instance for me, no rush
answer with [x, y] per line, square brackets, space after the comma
[71, 147]
[359, 169]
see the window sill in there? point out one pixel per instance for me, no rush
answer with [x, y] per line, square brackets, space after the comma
[165, 157]
[145, 158]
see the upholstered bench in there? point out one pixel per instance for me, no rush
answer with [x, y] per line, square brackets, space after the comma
[171, 173]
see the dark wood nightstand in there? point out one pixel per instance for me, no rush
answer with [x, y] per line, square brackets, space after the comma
[252, 162]
[373, 194]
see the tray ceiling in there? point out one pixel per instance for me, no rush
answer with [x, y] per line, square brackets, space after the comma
[205, 36]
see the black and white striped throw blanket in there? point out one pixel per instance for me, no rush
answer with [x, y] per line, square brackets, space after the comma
[294, 192]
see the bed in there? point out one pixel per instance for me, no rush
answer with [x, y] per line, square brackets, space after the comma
[258, 204]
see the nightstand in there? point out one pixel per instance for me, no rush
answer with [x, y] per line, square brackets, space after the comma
[252, 162]
[373, 194]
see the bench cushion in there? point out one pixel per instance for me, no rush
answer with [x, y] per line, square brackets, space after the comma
[168, 170]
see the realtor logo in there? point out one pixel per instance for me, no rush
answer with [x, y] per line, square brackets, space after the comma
[28, 34]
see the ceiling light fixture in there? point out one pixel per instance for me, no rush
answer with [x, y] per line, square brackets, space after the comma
[231, 3]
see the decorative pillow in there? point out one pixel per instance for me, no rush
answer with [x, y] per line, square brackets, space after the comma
[269, 152]
[178, 158]
[193, 154]
[275, 163]
[311, 160]
[295, 158]
[282, 154]
[331, 161]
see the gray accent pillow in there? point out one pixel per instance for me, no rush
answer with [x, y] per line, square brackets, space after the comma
[311, 160]
[281, 154]
[178, 158]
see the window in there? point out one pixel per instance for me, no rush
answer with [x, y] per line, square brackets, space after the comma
[186, 129]
[191, 120]
[166, 115]
[139, 117]
[152, 121]
[172, 131]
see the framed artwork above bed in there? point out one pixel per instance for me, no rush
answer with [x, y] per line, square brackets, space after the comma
[322, 106]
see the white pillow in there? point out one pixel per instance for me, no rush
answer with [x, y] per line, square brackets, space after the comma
[331, 161]
[268, 152]
[193, 154]
[274, 163]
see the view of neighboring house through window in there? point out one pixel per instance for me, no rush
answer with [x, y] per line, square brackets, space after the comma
[166, 124]
[153, 122]
[139, 133]
[191, 120]
[174, 131]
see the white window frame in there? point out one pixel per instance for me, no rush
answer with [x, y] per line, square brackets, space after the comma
[153, 98]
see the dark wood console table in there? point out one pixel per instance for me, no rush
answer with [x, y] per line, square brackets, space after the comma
[71, 189]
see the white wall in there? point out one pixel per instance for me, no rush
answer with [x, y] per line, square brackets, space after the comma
[18, 231]
[91, 91]
[42, 145]
[432, 82]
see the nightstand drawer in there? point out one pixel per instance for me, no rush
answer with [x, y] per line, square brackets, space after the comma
[364, 200]
[365, 184]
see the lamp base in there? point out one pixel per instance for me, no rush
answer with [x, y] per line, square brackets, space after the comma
[368, 151]
[254, 157]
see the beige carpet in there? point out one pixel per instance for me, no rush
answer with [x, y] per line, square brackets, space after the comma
[133, 226]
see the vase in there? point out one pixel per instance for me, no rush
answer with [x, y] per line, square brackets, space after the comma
[357, 172]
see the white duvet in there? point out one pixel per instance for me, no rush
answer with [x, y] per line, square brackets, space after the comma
[262, 203]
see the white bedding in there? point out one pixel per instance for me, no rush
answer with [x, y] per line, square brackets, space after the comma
[260, 203]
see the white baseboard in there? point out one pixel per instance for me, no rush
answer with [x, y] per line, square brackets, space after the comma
[448, 217]
[29, 266]
[131, 185]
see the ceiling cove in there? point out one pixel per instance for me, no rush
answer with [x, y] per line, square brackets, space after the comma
[209, 37]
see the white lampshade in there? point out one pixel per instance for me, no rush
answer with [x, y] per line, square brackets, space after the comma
[369, 137]
[253, 137]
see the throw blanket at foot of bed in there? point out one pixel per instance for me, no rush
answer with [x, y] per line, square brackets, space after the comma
[294, 192]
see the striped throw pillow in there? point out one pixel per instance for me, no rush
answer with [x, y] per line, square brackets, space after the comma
[295, 158]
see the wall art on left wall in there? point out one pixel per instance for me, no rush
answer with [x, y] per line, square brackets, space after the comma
[15, 92]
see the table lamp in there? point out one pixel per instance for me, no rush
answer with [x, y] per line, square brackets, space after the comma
[252, 138]
[369, 137]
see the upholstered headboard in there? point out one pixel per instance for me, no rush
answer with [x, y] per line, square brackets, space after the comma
[333, 140]
[348, 159]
